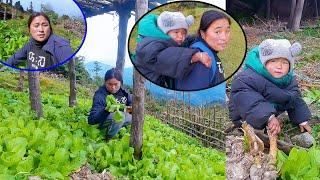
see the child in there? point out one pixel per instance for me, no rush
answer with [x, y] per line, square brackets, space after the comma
[99, 115]
[267, 87]
[159, 56]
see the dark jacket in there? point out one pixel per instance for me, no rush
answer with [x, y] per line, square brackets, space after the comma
[58, 48]
[202, 77]
[254, 98]
[98, 114]
[156, 58]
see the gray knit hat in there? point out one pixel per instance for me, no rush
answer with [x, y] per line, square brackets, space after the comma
[276, 48]
[174, 20]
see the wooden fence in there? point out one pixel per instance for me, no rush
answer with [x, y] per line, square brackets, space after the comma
[204, 123]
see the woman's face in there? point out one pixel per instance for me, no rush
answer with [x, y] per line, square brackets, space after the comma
[40, 29]
[217, 35]
[113, 85]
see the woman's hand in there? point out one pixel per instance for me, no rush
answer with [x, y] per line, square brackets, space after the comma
[305, 127]
[274, 126]
[202, 57]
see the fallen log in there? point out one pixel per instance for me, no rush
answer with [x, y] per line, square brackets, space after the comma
[282, 145]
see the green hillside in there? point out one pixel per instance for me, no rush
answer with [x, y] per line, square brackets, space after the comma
[62, 141]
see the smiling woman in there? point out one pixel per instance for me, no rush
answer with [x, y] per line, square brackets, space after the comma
[174, 52]
[213, 37]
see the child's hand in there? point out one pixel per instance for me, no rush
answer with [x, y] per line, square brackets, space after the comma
[274, 126]
[305, 127]
[202, 57]
[205, 59]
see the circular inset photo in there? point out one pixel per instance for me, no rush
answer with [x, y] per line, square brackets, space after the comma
[40, 35]
[187, 46]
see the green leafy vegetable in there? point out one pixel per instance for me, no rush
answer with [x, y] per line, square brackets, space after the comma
[300, 164]
[116, 107]
[62, 141]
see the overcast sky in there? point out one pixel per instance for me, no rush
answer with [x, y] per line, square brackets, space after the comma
[68, 7]
[102, 37]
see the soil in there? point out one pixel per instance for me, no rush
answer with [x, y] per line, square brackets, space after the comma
[86, 173]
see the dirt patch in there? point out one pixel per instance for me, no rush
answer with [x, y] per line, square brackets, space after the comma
[86, 173]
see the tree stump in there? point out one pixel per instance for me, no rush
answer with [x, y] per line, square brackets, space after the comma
[246, 159]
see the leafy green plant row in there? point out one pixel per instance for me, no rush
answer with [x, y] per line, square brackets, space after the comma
[300, 164]
[62, 141]
[11, 39]
[167, 154]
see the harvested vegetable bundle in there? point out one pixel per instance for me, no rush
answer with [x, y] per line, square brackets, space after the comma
[116, 107]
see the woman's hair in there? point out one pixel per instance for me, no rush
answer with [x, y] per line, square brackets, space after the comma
[113, 73]
[34, 15]
[210, 16]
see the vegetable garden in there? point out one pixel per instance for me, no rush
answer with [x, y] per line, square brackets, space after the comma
[62, 141]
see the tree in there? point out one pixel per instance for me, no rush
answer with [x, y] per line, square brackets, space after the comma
[34, 93]
[30, 9]
[21, 81]
[18, 6]
[5, 13]
[295, 14]
[82, 75]
[124, 15]
[96, 69]
[73, 88]
[268, 9]
[48, 10]
[138, 97]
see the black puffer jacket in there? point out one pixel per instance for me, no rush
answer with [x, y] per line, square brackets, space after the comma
[254, 99]
[157, 58]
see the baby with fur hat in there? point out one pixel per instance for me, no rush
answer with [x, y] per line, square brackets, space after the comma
[160, 54]
[175, 24]
[267, 87]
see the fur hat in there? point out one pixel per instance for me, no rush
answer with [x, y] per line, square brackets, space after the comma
[113, 73]
[174, 20]
[276, 48]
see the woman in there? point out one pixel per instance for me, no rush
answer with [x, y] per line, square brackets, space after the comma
[44, 48]
[160, 54]
[99, 114]
[213, 36]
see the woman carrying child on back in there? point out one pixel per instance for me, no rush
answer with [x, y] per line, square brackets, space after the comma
[160, 55]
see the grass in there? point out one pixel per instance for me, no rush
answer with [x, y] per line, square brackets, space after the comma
[233, 55]
[308, 37]
[10, 79]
